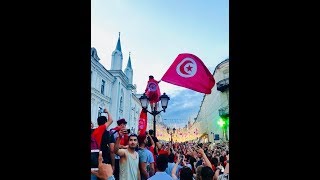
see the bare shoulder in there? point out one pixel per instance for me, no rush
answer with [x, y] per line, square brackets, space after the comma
[122, 152]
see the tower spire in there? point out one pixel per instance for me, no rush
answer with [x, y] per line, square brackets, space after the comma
[118, 44]
[129, 62]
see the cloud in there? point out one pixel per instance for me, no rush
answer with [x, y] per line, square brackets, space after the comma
[184, 105]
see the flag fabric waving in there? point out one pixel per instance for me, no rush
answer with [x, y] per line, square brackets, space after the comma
[189, 71]
[153, 90]
[143, 120]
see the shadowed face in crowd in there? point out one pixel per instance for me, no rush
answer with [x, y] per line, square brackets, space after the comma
[123, 125]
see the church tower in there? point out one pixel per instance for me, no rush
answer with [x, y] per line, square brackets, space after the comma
[128, 71]
[116, 61]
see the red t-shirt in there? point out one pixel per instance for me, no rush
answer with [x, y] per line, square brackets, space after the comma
[154, 156]
[97, 133]
[163, 152]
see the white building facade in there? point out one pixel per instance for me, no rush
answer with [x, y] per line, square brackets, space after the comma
[113, 89]
[214, 109]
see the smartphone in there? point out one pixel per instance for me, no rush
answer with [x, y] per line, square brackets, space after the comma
[94, 159]
[128, 131]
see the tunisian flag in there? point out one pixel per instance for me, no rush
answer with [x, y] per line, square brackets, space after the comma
[189, 71]
[142, 126]
[153, 90]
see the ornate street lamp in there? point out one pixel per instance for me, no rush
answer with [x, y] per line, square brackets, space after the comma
[144, 100]
[171, 133]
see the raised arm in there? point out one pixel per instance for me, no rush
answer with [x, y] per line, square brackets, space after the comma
[118, 151]
[205, 158]
[226, 170]
[110, 120]
[174, 169]
[151, 140]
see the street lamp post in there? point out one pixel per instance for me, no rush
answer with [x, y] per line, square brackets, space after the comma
[171, 133]
[144, 100]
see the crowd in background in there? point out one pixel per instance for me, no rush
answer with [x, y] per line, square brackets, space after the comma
[129, 156]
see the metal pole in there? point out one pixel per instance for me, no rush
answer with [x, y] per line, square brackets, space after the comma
[154, 122]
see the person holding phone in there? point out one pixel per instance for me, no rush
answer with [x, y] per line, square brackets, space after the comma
[129, 158]
[122, 123]
[184, 171]
[104, 171]
[98, 138]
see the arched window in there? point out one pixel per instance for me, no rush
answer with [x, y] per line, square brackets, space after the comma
[121, 103]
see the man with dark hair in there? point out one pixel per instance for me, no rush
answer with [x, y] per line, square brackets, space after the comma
[129, 158]
[207, 173]
[123, 145]
[103, 123]
[100, 137]
[170, 164]
[162, 164]
[186, 173]
[146, 160]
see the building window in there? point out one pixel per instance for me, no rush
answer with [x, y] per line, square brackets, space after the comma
[99, 111]
[102, 86]
[121, 104]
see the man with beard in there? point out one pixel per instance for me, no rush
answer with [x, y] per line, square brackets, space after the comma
[129, 158]
[123, 145]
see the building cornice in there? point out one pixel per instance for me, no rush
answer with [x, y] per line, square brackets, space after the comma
[96, 93]
[100, 68]
[121, 75]
[220, 64]
[130, 86]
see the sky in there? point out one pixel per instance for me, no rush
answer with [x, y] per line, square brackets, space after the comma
[155, 32]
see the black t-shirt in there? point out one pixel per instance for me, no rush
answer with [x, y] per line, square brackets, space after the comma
[192, 160]
[105, 148]
[198, 163]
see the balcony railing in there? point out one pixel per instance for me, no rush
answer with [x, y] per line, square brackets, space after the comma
[224, 112]
[223, 85]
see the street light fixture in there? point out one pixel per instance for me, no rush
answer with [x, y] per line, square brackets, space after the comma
[171, 133]
[144, 100]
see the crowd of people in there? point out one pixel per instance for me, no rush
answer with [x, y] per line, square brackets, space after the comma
[128, 156]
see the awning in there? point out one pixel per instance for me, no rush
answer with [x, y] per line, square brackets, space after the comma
[203, 135]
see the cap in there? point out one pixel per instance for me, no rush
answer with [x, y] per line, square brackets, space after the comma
[121, 121]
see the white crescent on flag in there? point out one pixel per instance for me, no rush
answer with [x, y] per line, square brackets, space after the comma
[187, 68]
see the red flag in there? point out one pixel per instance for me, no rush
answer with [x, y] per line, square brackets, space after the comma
[143, 120]
[153, 90]
[189, 71]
